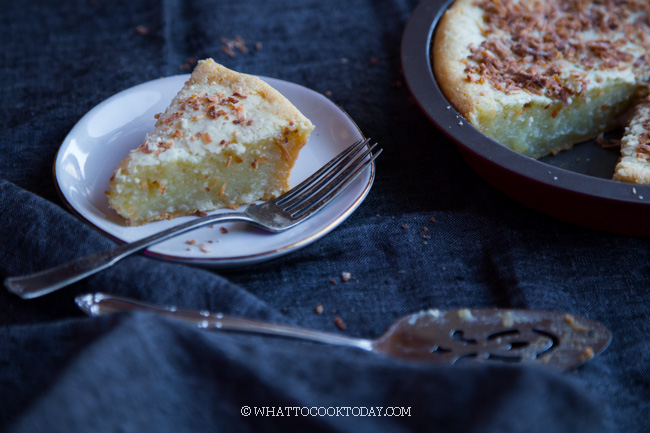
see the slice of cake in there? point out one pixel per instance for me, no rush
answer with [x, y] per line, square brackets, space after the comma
[226, 139]
[633, 165]
[541, 75]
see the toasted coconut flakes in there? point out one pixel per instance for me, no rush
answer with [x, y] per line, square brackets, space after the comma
[285, 153]
[142, 30]
[555, 112]
[229, 52]
[587, 354]
[223, 230]
[165, 144]
[229, 46]
[345, 276]
[526, 46]
[213, 112]
[643, 148]
[144, 148]
[171, 119]
[240, 44]
[319, 309]
[204, 248]
[191, 242]
[205, 137]
[189, 64]
[222, 190]
[340, 323]
[241, 115]
[605, 143]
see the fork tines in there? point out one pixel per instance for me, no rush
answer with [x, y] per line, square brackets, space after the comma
[328, 182]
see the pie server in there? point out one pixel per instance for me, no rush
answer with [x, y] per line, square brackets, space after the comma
[557, 340]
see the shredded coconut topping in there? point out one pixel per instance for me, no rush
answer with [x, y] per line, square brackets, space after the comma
[546, 47]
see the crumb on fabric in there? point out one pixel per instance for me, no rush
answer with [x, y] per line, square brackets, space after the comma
[231, 46]
[141, 30]
[189, 64]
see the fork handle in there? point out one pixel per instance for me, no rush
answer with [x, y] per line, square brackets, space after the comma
[49, 280]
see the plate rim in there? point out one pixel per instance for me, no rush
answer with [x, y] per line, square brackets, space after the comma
[420, 79]
[220, 262]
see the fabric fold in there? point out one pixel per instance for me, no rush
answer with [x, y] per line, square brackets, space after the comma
[141, 373]
[38, 234]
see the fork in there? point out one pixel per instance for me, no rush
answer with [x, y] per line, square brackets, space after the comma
[277, 215]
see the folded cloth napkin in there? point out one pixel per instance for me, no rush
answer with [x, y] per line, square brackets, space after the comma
[38, 234]
[62, 371]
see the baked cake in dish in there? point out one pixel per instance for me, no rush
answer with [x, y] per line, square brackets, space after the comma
[541, 75]
[633, 165]
[226, 139]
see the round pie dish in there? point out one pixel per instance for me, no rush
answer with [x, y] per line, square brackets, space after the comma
[574, 186]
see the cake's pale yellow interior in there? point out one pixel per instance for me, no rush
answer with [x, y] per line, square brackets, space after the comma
[537, 130]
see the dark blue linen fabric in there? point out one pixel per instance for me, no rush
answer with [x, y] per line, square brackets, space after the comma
[62, 371]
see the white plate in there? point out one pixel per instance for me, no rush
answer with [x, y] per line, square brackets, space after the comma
[105, 135]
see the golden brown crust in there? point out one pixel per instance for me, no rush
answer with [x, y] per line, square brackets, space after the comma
[633, 165]
[447, 50]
